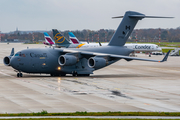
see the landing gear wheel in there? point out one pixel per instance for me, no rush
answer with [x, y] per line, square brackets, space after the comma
[74, 73]
[18, 75]
[52, 75]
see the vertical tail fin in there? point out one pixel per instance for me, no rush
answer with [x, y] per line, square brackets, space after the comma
[126, 27]
[60, 40]
[73, 38]
[48, 39]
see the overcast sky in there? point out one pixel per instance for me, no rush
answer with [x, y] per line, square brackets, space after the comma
[83, 14]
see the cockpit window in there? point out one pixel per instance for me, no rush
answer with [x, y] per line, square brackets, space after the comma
[20, 54]
[16, 54]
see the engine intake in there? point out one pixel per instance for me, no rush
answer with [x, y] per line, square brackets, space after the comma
[97, 62]
[7, 60]
[65, 60]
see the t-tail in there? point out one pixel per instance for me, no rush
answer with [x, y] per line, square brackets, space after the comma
[60, 40]
[126, 27]
[48, 39]
[73, 38]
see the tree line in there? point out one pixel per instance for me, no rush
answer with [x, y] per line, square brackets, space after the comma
[102, 35]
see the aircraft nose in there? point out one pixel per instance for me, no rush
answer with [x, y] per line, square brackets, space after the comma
[12, 62]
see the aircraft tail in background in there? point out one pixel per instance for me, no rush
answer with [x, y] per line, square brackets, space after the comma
[60, 40]
[48, 39]
[73, 38]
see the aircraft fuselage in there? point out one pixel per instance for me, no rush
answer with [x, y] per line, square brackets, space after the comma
[45, 60]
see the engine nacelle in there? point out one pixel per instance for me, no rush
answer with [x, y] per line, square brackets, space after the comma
[97, 62]
[65, 60]
[7, 60]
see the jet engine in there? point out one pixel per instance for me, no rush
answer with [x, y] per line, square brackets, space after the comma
[97, 62]
[65, 60]
[7, 60]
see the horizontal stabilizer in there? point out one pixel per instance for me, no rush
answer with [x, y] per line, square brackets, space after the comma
[118, 17]
[142, 16]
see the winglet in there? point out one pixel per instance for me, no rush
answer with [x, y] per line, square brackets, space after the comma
[166, 56]
[12, 52]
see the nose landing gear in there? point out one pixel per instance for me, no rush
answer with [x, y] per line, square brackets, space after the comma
[19, 74]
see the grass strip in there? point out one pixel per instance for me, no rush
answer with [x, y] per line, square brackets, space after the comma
[84, 119]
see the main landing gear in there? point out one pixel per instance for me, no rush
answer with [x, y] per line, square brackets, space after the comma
[19, 74]
[74, 73]
[55, 75]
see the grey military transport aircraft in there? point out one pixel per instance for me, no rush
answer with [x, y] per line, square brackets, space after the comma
[78, 62]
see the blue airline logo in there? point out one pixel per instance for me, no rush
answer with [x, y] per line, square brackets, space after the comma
[59, 38]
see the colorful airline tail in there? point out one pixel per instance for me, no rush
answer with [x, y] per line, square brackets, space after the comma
[73, 38]
[48, 39]
[60, 40]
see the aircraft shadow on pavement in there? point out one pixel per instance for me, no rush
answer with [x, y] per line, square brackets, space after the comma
[92, 76]
[119, 76]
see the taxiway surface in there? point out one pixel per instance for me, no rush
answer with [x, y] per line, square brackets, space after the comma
[123, 86]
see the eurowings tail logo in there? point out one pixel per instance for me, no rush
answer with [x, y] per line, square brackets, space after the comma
[59, 38]
[74, 41]
[73, 38]
[48, 39]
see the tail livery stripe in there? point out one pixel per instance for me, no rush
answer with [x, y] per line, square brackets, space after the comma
[74, 41]
[80, 45]
[49, 40]
[46, 34]
[71, 34]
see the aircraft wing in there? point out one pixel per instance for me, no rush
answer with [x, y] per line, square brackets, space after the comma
[87, 53]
